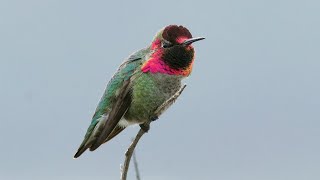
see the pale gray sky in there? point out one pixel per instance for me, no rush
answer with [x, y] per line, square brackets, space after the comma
[250, 111]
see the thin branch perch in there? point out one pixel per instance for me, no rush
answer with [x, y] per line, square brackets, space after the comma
[129, 152]
[135, 163]
[158, 112]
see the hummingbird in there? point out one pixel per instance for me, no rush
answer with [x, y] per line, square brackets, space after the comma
[143, 87]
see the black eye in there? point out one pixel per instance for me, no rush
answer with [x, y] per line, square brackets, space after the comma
[166, 44]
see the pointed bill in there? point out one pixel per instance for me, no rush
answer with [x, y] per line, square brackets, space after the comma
[192, 40]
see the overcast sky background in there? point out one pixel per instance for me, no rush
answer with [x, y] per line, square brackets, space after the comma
[251, 110]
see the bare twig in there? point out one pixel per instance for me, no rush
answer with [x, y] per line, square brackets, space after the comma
[142, 131]
[135, 163]
[129, 152]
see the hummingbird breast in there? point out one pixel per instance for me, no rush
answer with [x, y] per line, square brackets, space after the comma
[150, 91]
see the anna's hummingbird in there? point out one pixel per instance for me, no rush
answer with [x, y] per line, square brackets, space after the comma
[143, 87]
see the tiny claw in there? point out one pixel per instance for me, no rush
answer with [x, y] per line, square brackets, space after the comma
[145, 127]
[154, 118]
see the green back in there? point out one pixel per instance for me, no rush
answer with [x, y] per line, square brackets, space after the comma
[125, 71]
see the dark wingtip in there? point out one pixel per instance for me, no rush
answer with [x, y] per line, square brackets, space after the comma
[79, 152]
[77, 155]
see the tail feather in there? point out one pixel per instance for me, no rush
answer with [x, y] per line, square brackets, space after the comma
[92, 134]
[81, 150]
[94, 131]
[114, 133]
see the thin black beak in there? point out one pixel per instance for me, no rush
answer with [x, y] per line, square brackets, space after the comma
[192, 40]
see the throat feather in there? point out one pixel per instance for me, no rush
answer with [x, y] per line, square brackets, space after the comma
[156, 64]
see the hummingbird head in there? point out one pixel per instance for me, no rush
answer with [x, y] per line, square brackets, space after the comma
[172, 51]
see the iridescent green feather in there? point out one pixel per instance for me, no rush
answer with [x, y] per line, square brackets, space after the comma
[124, 72]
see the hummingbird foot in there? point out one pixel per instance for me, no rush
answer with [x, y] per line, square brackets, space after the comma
[145, 127]
[153, 118]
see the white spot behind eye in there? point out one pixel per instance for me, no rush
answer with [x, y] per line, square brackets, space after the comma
[165, 44]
